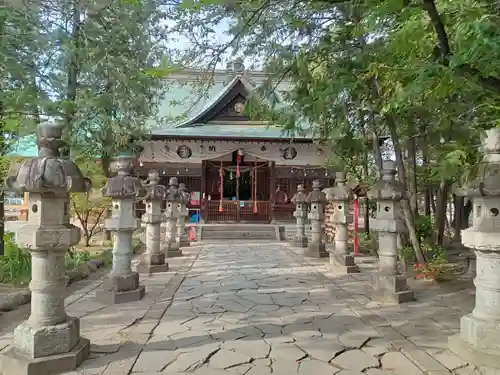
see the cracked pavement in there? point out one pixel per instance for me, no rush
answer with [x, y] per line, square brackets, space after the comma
[255, 309]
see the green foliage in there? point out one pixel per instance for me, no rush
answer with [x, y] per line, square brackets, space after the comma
[425, 227]
[433, 254]
[15, 265]
[90, 208]
[74, 259]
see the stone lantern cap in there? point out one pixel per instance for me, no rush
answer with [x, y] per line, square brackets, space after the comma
[154, 191]
[48, 172]
[388, 188]
[340, 192]
[316, 195]
[123, 185]
[487, 181]
[173, 192]
[183, 193]
[300, 196]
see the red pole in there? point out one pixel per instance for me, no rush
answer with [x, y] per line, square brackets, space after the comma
[221, 181]
[356, 227]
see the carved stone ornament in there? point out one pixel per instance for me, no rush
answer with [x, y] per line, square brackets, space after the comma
[184, 195]
[123, 186]
[239, 108]
[339, 192]
[388, 189]
[173, 193]
[316, 195]
[288, 153]
[48, 172]
[155, 191]
[300, 196]
[184, 152]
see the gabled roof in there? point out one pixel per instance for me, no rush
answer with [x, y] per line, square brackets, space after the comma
[221, 95]
[199, 110]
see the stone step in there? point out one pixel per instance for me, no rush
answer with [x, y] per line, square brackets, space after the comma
[237, 234]
[239, 227]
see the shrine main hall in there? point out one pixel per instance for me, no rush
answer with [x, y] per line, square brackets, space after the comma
[237, 169]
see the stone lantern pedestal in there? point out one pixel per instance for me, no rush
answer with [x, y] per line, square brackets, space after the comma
[153, 260]
[340, 196]
[317, 202]
[122, 284]
[300, 213]
[389, 285]
[182, 236]
[172, 213]
[479, 339]
[49, 341]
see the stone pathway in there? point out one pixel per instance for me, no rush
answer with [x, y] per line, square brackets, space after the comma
[262, 308]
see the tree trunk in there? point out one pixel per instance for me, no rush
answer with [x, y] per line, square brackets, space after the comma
[458, 217]
[377, 154]
[412, 176]
[441, 205]
[72, 79]
[366, 214]
[3, 149]
[427, 201]
[2, 221]
[408, 214]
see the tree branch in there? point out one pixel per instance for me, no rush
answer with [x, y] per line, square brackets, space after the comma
[490, 83]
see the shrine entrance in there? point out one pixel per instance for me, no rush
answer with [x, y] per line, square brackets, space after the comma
[237, 192]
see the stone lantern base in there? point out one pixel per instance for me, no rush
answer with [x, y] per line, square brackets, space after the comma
[478, 342]
[172, 250]
[152, 263]
[391, 289]
[121, 289]
[300, 242]
[316, 250]
[184, 241]
[344, 263]
[45, 350]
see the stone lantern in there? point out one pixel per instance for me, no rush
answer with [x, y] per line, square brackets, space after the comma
[49, 341]
[341, 196]
[122, 285]
[154, 259]
[182, 236]
[172, 213]
[317, 202]
[389, 285]
[479, 339]
[300, 201]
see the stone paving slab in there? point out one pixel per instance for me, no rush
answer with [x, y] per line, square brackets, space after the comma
[262, 308]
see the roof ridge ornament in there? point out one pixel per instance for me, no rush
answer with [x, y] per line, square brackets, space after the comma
[236, 65]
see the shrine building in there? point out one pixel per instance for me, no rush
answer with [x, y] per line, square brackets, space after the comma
[238, 170]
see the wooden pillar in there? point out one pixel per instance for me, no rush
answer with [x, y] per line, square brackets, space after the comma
[272, 190]
[203, 193]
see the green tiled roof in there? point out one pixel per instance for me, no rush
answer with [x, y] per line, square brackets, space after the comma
[182, 102]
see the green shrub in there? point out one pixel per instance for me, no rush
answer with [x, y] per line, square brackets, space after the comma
[425, 227]
[73, 259]
[15, 265]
